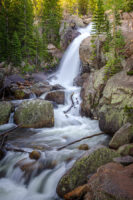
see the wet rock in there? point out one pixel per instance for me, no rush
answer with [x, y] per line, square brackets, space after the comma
[112, 182]
[56, 96]
[84, 147]
[34, 167]
[79, 81]
[57, 87]
[87, 21]
[86, 52]
[35, 155]
[125, 160]
[116, 103]
[35, 114]
[41, 88]
[126, 149]
[77, 194]
[20, 93]
[68, 30]
[57, 53]
[83, 167]
[2, 153]
[91, 93]
[123, 136]
[5, 111]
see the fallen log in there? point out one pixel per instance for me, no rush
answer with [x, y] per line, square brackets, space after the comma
[4, 135]
[16, 150]
[84, 138]
[71, 105]
[10, 130]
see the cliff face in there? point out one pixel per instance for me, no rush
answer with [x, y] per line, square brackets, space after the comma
[110, 101]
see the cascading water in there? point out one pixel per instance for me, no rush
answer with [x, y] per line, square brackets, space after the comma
[68, 127]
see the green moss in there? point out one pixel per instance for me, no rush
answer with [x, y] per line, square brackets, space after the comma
[5, 110]
[19, 94]
[129, 112]
[125, 149]
[130, 73]
[85, 166]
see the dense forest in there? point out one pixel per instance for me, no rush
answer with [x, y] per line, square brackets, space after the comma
[28, 26]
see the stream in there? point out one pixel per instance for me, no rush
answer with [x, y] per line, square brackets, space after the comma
[68, 127]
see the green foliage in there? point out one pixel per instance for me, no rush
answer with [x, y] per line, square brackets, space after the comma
[83, 6]
[16, 57]
[114, 55]
[112, 66]
[27, 68]
[130, 73]
[98, 18]
[51, 19]
[128, 6]
[128, 111]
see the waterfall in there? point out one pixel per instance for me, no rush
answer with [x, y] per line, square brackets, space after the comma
[70, 63]
[68, 127]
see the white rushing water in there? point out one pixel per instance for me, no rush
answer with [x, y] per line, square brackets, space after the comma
[68, 127]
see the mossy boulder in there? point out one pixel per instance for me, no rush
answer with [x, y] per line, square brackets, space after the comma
[85, 166]
[35, 114]
[117, 98]
[126, 149]
[91, 93]
[111, 182]
[5, 111]
[123, 136]
[56, 96]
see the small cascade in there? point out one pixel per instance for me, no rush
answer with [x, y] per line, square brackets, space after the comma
[70, 63]
[69, 126]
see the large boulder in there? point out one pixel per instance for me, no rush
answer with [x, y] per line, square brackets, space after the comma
[126, 149]
[83, 168]
[35, 114]
[81, 79]
[111, 182]
[91, 93]
[87, 54]
[5, 111]
[56, 96]
[41, 88]
[116, 103]
[68, 30]
[123, 136]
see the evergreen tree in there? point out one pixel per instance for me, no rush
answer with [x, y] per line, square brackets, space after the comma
[22, 23]
[51, 19]
[98, 26]
[128, 5]
[98, 18]
[5, 21]
[16, 50]
[38, 45]
[83, 6]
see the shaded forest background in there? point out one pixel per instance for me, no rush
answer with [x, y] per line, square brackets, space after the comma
[28, 26]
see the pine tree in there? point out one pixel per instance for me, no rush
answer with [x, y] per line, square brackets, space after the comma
[128, 5]
[38, 45]
[5, 21]
[16, 50]
[83, 6]
[51, 21]
[98, 18]
[22, 23]
[98, 26]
